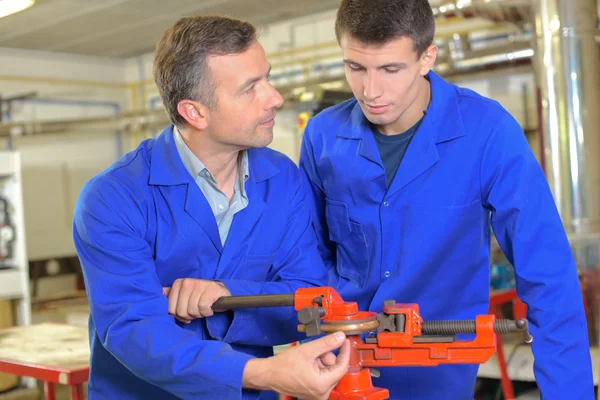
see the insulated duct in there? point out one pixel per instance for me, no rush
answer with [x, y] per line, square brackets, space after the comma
[568, 78]
[567, 74]
[497, 10]
[469, 60]
[459, 57]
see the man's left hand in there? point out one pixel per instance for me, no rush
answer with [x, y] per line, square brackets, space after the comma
[193, 298]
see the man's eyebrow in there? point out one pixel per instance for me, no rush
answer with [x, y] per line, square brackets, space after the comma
[389, 65]
[348, 61]
[254, 79]
[393, 65]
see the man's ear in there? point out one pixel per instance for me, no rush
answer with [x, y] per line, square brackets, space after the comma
[428, 59]
[194, 113]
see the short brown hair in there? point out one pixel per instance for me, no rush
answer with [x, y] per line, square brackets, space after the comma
[379, 21]
[180, 60]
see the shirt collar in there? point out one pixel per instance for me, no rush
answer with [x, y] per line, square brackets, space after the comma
[195, 167]
[192, 163]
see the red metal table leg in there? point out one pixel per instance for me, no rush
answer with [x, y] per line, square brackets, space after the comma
[77, 392]
[49, 393]
[505, 382]
[507, 387]
[519, 309]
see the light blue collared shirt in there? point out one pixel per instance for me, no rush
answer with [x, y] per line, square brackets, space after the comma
[219, 203]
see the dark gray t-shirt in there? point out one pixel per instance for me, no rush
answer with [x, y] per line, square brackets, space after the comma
[392, 148]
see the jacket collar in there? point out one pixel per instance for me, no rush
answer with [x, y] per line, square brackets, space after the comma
[443, 114]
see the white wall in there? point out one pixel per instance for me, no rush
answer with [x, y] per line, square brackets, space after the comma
[55, 167]
[67, 86]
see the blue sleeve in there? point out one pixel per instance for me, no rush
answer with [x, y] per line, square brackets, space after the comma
[529, 230]
[297, 265]
[127, 305]
[316, 196]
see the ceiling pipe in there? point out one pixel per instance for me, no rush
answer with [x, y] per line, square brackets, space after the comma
[497, 10]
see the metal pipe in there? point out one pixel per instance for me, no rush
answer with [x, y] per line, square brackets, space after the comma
[266, 300]
[499, 9]
[457, 46]
[580, 53]
[568, 78]
[72, 102]
[499, 58]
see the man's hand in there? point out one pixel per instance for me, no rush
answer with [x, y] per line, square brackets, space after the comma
[307, 371]
[193, 298]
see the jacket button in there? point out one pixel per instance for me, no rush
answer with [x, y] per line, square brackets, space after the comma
[387, 274]
[385, 204]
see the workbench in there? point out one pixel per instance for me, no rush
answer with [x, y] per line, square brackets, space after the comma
[50, 352]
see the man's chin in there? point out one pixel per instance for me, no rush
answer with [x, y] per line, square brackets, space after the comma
[263, 138]
[378, 120]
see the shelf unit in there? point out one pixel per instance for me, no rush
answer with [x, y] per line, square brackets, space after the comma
[14, 266]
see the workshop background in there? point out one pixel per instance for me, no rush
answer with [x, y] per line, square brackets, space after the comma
[76, 93]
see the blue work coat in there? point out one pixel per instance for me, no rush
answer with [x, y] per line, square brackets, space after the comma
[142, 224]
[426, 238]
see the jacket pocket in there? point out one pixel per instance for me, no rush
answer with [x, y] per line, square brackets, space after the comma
[258, 266]
[352, 248]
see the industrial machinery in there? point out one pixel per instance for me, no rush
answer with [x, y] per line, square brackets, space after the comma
[396, 337]
[7, 230]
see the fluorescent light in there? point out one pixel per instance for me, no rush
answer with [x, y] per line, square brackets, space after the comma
[8, 7]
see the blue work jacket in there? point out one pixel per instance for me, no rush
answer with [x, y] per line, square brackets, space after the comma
[142, 224]
[426, 238]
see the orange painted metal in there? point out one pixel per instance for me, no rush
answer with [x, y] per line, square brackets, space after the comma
[357, 384]
[335, 308]
[393, 349]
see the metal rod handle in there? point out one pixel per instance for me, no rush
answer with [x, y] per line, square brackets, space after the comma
[265, 300]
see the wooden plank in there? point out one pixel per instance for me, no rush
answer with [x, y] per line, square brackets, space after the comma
[48, 344]
[7, 319]
[7, 315]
